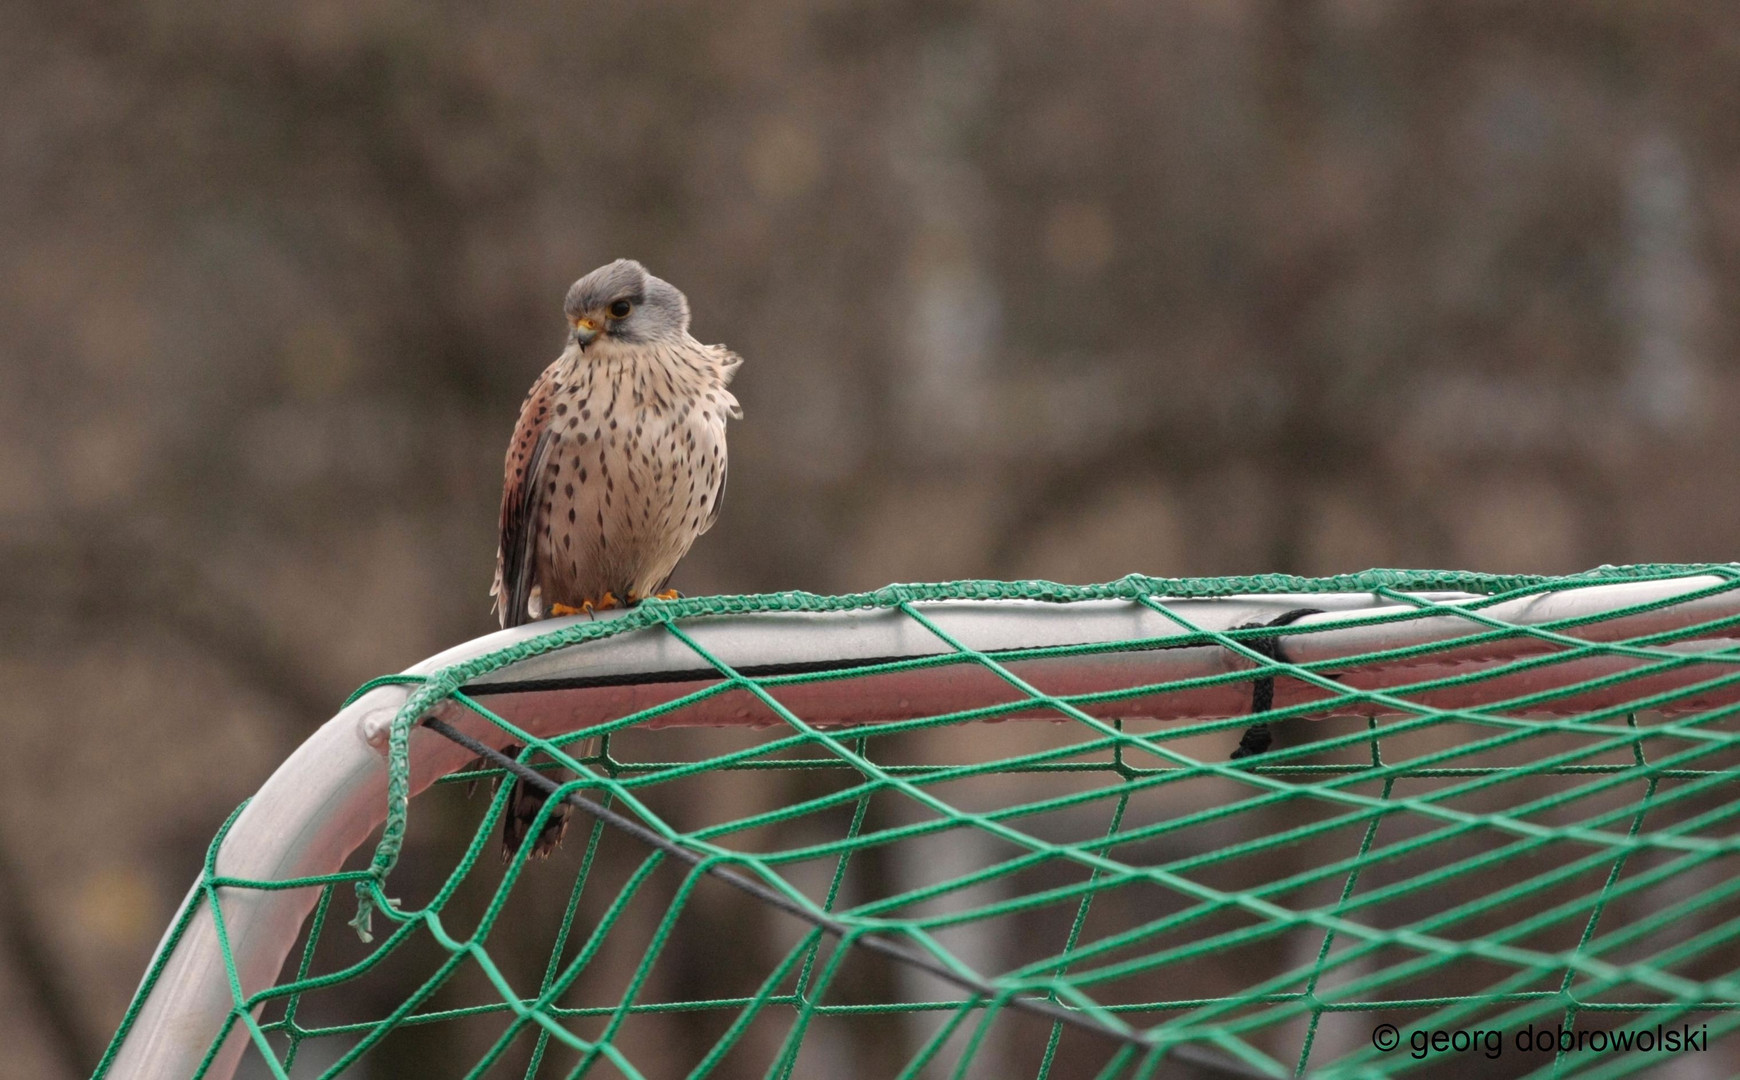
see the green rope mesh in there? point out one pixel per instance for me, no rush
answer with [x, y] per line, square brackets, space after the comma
[1442, 874]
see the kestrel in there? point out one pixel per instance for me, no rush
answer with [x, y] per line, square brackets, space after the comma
[616, 465]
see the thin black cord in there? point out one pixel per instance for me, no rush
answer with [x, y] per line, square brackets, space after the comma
[1051, 1010]
[1259, 736]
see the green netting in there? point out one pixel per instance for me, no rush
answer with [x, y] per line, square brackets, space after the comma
[1446, 871]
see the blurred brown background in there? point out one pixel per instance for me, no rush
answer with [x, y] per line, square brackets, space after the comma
[1024, 289]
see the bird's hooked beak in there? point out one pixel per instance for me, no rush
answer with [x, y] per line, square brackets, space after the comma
[585, 330]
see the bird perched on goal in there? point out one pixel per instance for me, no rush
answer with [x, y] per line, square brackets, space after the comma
[617, 464]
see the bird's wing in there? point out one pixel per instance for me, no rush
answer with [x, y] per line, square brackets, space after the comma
[718, 497]
[515, 570]
[728, 362]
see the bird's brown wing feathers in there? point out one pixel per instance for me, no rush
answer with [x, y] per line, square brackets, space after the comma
[718, 497]
[728, 362]
[519, 505]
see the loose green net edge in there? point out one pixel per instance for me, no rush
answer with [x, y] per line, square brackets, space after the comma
[1147, 1049]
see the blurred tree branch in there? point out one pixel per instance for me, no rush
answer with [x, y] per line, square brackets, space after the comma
[77, 580]
[32, 959]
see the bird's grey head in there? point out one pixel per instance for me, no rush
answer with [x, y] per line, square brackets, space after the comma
[621, 302]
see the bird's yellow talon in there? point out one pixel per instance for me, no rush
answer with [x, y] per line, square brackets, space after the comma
[587, 607]
[668, 594]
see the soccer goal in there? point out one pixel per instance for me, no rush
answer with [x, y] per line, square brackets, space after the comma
[1264, 826]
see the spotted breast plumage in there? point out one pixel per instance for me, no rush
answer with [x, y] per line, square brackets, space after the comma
[618, 462]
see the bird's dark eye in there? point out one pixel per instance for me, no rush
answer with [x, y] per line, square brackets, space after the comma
[620, 309]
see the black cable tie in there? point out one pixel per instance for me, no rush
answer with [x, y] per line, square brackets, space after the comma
[1258, 737]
